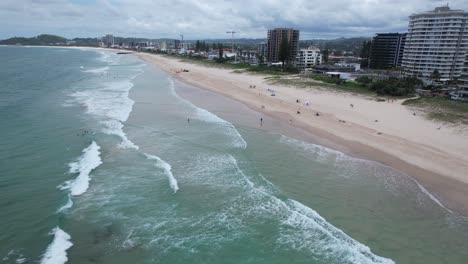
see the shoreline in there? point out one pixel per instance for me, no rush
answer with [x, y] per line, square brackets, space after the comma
[451, 191]
[448, 190]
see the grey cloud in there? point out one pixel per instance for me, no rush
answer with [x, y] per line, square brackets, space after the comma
[210, 18]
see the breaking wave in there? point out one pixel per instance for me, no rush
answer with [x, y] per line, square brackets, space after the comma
[87, 162]
[167, 170]
[56, 252]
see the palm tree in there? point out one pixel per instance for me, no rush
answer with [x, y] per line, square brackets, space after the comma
[435, 76]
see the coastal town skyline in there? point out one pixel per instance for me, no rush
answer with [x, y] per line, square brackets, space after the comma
[197, 20]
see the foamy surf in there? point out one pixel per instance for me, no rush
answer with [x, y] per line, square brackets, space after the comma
[56, 252]
[206, 116]
[98, 70]
[432, 197]
[327, 152]
[114, 127]
[87, 162]
[110, 101]
[313, 228]
[167, 169]
[112, 105]
[67, 206]
[304, 228]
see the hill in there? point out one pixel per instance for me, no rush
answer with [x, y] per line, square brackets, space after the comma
[44, 39]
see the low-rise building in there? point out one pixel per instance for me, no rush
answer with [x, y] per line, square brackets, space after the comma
[248, 56]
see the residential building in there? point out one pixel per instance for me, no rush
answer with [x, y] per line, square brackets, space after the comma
[275, 38]
[387, 50]
[307, 58]
[248, 56]
[436, 40]
[262, 49]
[163, 46]
[109, 40]
[464, 76]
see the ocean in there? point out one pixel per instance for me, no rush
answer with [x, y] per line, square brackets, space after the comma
[102, 160]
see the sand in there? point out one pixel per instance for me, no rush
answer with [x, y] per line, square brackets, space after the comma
[385, 132]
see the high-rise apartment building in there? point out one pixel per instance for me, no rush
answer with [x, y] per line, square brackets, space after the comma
[387, 50]
[262, 49]
[109, 40]
[464, 76]
[436, 40]
[275, 39]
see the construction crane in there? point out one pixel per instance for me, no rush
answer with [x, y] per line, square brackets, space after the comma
[182, 41]
[232, 39]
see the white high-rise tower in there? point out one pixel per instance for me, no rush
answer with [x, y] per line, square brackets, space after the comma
[437, 40]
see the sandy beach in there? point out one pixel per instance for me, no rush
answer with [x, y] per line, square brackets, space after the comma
[384, 132]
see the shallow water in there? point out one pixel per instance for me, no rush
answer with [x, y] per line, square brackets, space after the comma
[97, 151]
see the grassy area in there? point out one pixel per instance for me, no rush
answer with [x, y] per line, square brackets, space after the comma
[321, 82]
[441, 109]
[349, 86]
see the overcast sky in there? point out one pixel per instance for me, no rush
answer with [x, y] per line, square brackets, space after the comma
[197, 19]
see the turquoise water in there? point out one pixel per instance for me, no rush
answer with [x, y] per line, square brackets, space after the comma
[98, 164]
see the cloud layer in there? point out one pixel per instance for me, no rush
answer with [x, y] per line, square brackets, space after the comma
[209, 18]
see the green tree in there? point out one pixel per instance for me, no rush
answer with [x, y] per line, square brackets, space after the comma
[365, 53]
[197, 46]
[325, 54]
[220, 52]
[396, 87]
[261, 59]
[435, 75]
[364, 80]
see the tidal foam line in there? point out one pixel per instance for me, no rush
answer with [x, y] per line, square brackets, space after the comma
[167, 169]
[56, 252]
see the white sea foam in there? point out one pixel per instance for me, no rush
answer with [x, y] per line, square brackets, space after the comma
[313, 230]
[111, 101]
[425, 191]
[98, 70]
[68, 205]
[15, 255]
[88, 161]
[167, 169]
[206, 116]
[309, 230]
[114, 127]
[112, 104]
[326, 152]
[107, 57]
[56, 252]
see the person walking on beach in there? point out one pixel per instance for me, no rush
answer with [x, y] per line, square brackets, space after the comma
[261, 121]
[188, 120]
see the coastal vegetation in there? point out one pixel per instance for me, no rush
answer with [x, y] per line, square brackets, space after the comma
[441, 109]
[394, 86]
[39, 40]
